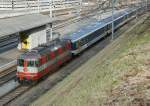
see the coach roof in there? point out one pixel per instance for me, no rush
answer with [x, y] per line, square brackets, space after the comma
[92, 27]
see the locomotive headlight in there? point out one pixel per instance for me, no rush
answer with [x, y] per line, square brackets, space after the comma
[25, 69]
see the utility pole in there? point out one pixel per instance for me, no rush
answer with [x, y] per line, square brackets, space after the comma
[38, 6]
[80, 8]
[113, 4]
[50, 8]
[51, 17]
[3, 3]
[146, 5]
[12, 4]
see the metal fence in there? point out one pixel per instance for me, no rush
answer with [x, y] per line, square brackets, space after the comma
[9, 8]
[38, 5]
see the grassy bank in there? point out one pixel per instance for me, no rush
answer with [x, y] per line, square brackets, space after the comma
[103, 78]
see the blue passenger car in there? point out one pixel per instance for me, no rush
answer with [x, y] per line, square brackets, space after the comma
[86, 36]
[93, 32]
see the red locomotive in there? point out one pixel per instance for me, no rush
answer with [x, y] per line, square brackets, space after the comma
[42, 60]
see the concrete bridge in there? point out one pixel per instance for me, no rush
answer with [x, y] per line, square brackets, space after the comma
[10, 8]
[32, 30]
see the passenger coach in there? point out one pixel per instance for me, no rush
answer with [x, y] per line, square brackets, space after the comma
[90, 34]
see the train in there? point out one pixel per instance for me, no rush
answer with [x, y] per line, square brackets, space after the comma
[35, 64]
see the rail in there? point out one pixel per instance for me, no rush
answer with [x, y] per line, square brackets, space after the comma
[10, 96]
[8, 65]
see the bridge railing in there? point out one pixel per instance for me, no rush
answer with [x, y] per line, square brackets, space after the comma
[39, 5]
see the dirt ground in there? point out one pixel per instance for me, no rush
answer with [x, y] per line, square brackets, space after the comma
[117, 76]
[134, 88]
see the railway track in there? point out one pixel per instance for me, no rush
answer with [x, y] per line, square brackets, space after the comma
[74, 20]
[8, 42]
[10, 96]
[7, 72]
[7, 75]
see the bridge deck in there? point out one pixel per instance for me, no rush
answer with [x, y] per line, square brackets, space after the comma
[21, 23]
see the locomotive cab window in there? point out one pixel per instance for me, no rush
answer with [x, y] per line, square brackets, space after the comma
[20, 62]
[36, 63]
[33, 63]
[30, 63]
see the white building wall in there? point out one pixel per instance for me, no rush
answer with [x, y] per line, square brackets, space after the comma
[37, 38]
[42, 37]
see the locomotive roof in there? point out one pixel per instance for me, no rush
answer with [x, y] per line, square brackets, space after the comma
[84, 31]
[42, 49]
[29, 55]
